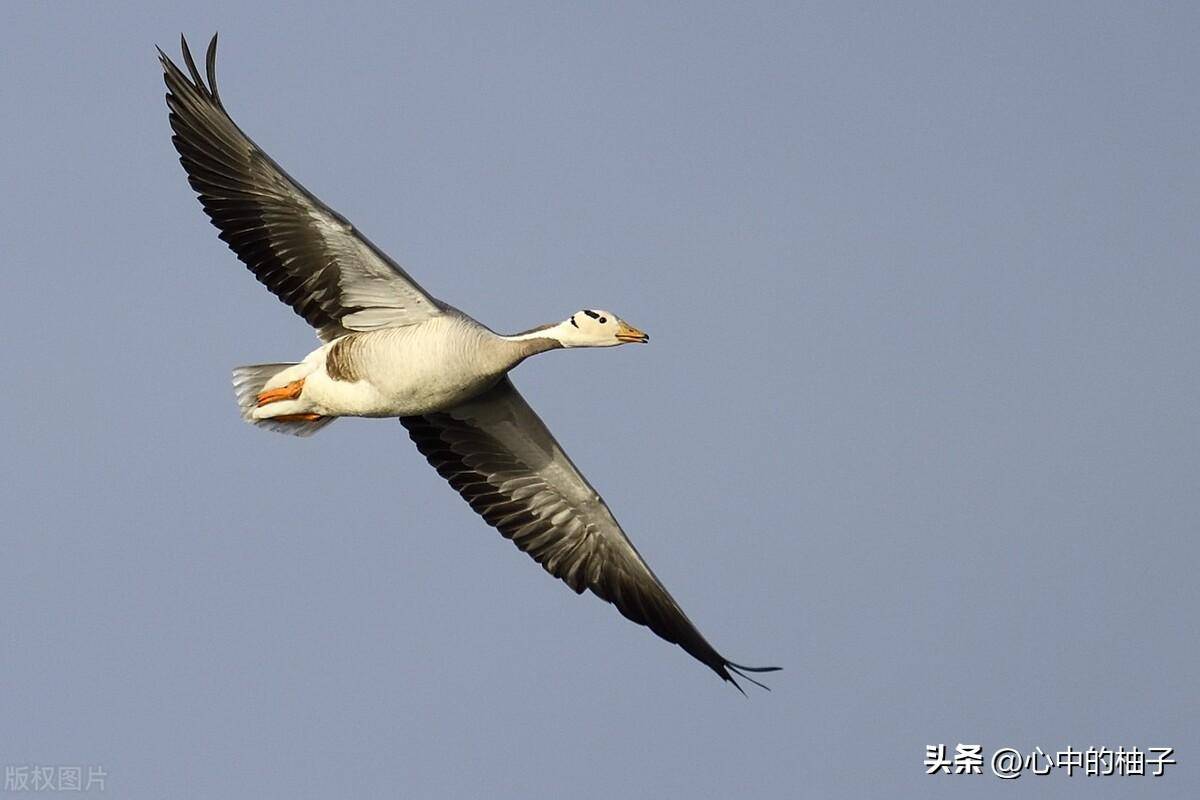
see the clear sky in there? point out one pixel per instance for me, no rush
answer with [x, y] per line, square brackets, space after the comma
[918, 421]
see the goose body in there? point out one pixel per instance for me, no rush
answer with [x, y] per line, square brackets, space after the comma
[390, 349]
[398, 372]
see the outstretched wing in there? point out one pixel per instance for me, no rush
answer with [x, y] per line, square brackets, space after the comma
[497, 453]
[303, 251]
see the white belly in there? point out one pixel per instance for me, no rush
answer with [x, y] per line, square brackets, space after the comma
[396, 372]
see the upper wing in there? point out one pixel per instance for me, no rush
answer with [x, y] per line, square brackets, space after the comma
[501, 458]
[303, 251]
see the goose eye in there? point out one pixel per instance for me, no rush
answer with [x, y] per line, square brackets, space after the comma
[603, 320]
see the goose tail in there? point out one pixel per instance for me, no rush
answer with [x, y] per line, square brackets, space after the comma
[251, 380]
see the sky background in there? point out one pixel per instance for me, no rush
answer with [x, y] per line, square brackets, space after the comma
[918, 421]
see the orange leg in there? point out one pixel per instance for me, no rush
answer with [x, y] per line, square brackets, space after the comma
[289, 392]
[296, 418]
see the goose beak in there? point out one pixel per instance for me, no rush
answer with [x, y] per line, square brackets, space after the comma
[627, 333]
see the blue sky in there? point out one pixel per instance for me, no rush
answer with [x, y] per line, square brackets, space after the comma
[918, 420]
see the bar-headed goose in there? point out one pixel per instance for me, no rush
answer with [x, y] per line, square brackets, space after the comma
[391, 350]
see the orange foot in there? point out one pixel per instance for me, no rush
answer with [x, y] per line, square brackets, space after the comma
[289, 392]
[296, 418]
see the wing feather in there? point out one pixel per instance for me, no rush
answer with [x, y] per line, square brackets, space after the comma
[497, 454]
[304, 252]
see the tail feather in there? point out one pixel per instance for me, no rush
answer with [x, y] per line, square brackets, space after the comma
[248, 382]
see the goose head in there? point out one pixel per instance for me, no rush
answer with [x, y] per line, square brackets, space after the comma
[595, 328]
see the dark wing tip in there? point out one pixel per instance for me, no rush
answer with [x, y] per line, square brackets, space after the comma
[754, 669]
[740, 670]
[210, 67]
[207, 90]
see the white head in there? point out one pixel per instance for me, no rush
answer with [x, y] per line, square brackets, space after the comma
[595, 328]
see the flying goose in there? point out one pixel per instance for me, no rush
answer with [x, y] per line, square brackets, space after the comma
[390, 349]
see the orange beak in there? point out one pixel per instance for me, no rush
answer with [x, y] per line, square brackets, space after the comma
[627, 333]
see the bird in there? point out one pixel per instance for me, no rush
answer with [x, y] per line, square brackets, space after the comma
[390, 349]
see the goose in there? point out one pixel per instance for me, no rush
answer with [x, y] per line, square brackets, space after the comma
[390, 349]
